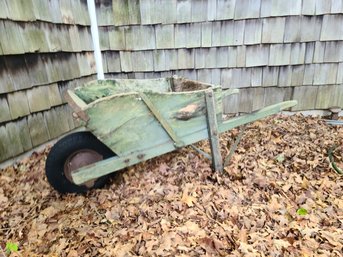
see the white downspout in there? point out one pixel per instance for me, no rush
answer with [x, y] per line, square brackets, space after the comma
[95, 38]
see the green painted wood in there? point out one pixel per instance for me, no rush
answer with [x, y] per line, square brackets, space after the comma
[165, 124]
[113, 164]
[212, 127]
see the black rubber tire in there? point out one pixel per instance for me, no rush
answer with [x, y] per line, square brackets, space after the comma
[65, 147]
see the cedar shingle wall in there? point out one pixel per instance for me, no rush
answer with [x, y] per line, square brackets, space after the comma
[273, 50]
[45, 48]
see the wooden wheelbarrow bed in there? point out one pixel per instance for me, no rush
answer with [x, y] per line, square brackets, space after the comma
[142, 119]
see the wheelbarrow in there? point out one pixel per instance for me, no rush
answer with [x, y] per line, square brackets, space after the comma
[128, 121]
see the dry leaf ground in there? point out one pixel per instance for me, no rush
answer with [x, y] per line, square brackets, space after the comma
[174, 205]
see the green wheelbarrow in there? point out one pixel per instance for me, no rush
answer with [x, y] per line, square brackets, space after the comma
[130, 121]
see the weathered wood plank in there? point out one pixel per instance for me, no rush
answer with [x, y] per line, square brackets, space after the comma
[18, 104]
[164, 36]
[306, 97]
[36, 101]
[56, 123]
[4, 110]
[38, 130]
[5, 151]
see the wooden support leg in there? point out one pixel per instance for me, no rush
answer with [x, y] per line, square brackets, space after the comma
[213, 133]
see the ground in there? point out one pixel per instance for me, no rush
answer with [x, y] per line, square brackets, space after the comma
[278, 197]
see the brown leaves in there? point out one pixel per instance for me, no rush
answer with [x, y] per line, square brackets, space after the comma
[174, 205]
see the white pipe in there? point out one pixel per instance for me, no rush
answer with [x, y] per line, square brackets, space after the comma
[95, 38]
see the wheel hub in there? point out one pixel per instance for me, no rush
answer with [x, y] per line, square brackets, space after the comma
[78, 160]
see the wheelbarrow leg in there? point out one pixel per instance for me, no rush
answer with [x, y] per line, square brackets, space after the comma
[213, 133]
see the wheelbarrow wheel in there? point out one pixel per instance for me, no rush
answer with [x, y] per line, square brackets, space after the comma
[70, 153]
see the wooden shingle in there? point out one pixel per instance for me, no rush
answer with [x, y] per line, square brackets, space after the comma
[200, 60]
[266, 8]
[10, 39]
[273, 30]
[323, 7]
[226, 33]
[285, 76]
[306, 97]
[256, 77]
[199, 10]
[340, 73]
[323, 99]
[280, 54]
[168, 11]
[215, 76]
[34, 38]
[241, 56]
[4, 110]
[5, 152]
[20, 10]
[13, 132]
[104, 39]
[54, 95]
[298, 75]
[116, 38]
[245, 100]
[257, 55]
[240, 78]
[308, 7]
[5, 78]
[319, 48]
[164, 36]
[232, 61]
[35, 99]
[298, 51]
[121, 12]
[292, 29]
[211, 10]
[216, 30]
[171, 59]
[308, 74]
[142, 61]
[222, 57]
[258, 98]
[194, 35]
[231, 104]
[16, 66]
[225, 9]
[325, 74]
[56, 123]
[159, 60]
[75, 38]
[270, 76]
[37, 69]
[336, 98]
[238, 32]
[204, 75]
[145, 11]
[185, 58]
[309, 52]
[4, 13]
[226, 78]
[85, 38]
[24, 134]
[181, 35]
[330, 30]
[336, 6]
[135, 34]
[125, 61]
[134, 12]
[210, 57]
[247, 9]
[275, 95]
[253, 32]
[113, 61]
[310, 28]
[206, 34]
[18, 104]
[184, 11]
[333, 51]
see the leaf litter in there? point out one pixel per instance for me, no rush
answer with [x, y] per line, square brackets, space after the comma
[277, 197]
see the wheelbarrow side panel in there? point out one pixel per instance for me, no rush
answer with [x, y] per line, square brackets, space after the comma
[126, 124]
